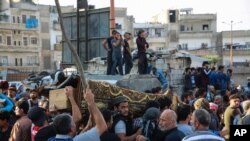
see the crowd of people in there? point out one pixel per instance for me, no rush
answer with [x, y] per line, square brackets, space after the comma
[209, 104]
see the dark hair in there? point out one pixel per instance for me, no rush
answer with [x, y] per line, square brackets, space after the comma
[183, 110]
[107, 114]
[63, 123]
[213, 68]
[164, 101]
[220, 67]
[200, 92]
[193, 69]
[185, 95]
[140, 32]
[186, 69]
[229, 70]
[152, 103]
[156, 90]
[148, 91]
[114, 32]
[205, 63]
[127, 33]
[4, 115]
[203, 117]
[23, 104]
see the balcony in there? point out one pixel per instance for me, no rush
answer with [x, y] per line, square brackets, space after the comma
[4, 18]
[13, 26]
[23, 65]
[18, 49]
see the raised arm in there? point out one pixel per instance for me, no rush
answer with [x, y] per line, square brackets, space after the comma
[101, 125]
[76, 113]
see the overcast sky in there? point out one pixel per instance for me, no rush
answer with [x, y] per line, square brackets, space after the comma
[143, 10]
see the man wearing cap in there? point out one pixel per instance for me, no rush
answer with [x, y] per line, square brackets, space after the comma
[38, 118]
[234, 104]
[123, 124]
[127, 53]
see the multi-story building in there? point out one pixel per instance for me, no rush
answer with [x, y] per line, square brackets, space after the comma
[241, 47]
[196, 31]
[30, 36]
[157, 34]
[51, 36]
[124, 22]
[19, 36]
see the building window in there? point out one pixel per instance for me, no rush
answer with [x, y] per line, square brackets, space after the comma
[18, 61]
[204, 45]
[14, 43]
[191, 28]
[158, 32]
[205, 27]
[18, 19]
[182, 28]
[3, 60]
[118, 26]
[32, 17]
[184, 46]
[19, 43]
[1, 39]
[14, 19]
[24, 19]
[33, 40]
[25, 41]
[32, 60]
[8, 40]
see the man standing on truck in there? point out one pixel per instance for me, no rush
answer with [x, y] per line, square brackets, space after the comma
[107, 45]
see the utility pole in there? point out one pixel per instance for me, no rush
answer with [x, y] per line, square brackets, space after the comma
[231, 40]
[112, 15]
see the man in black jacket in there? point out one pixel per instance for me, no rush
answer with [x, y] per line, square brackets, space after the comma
[142, 46]
[107, 45]
[123, 124]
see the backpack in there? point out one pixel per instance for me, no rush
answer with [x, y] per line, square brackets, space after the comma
[149, 128]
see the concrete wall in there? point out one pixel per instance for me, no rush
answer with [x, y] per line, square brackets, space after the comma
[240, 75]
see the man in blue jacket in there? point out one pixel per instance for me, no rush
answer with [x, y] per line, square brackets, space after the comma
[161, 77]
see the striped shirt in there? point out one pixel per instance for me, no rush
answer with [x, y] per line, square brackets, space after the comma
[203, 136]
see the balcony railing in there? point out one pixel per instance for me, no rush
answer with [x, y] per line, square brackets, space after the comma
[19, 65]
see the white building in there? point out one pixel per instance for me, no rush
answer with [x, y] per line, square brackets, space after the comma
[124, 23]
[241, 47]
[157, 34]
[196, 31]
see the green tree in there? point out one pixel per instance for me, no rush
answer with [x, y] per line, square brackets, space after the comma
[214, 59]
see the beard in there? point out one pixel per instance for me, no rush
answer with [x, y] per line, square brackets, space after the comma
[33, 97]
[163, 128]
